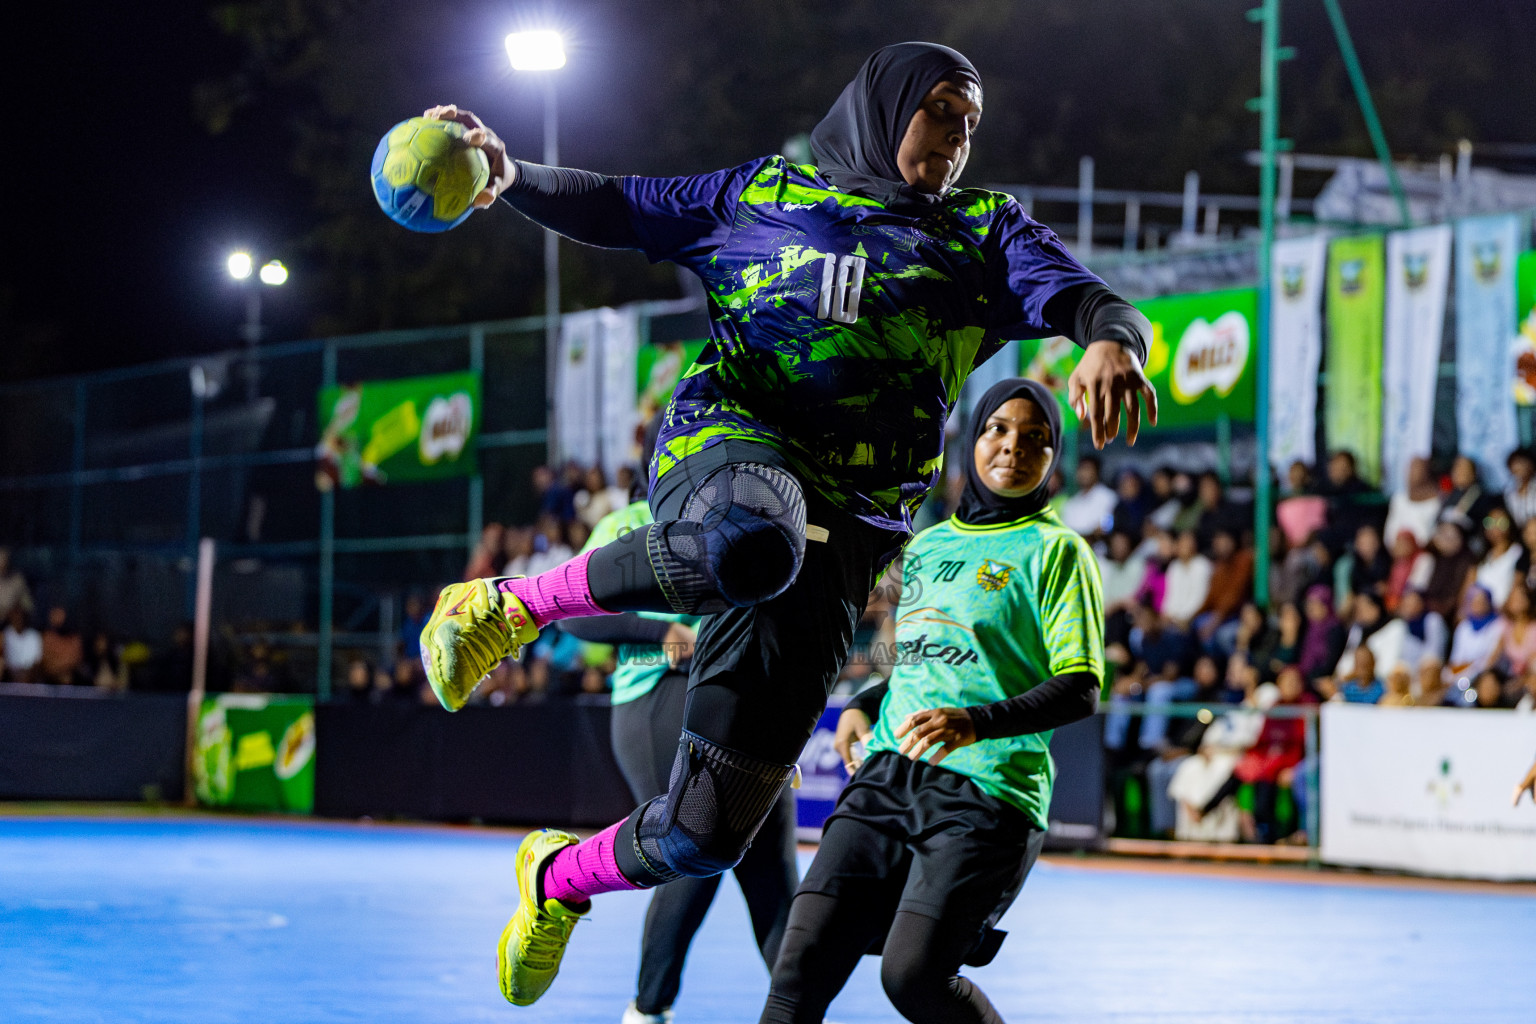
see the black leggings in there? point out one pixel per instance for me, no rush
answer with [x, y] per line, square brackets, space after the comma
[644, 742]
[919, 967]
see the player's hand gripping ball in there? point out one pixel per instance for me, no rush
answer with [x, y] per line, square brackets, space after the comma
[425, 176]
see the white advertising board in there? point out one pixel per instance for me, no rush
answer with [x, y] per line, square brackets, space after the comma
[1427, 790]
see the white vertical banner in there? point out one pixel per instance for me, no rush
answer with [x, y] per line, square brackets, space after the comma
[1486, 248]
[595, 387]
[1418, 274]
[616, 402]
[1295, 348]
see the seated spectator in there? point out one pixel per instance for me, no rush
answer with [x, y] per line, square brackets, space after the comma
[1154, 583]
[14, 592]
[1371, 627]
[23, 647]
[1520, 492]
[517, 549]
[358, 688]
[596, 498]
[1449, 571]
[1300, 517]
[1488, 691]
[1133, 504]
[1298, 479]
[1152, 642]
[63, 652]
[553, 496]
[1091, 510]
[1122, 567]
[104, 668]
[487, 558]
[1197, 779]
[1282, 645]
[1359, 684]
[406, 684]
[1411, 568]
[1218, 510]
[549, 546]
[1231, 584]
[1252, 635]
[1323, 641]
[1166, 505]
[1295, 568]
[1188, 582]
[1351, 501]
[1518, 645]
[413, 622]
[1501, 555]
[1366, 567]
[1468, 500]
[1271, 762]
[1431, 684]
[1476, 642]
[1425, 631]
[1416, 507]
[1525, 570]
[1399, 688]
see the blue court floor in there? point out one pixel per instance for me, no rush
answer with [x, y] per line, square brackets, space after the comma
[173, 920]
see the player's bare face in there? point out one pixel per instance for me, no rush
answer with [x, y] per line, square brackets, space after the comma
[1014, 451]
[938, 139]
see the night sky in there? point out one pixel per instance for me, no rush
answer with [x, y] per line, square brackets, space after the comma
[123, 206]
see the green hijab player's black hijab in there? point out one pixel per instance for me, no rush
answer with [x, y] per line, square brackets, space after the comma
[855, 144]
[979, 504]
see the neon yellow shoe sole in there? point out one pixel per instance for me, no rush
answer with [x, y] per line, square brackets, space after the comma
[534, 940]
[473, 627]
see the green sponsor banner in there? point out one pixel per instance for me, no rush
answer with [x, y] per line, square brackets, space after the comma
[1525, 336]
[255, 752]
[1356, 314]
[1201, 361]
[399, 431]
[658, 368]
[1525, 285]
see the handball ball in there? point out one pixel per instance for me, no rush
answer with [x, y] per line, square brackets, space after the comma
[425, 176]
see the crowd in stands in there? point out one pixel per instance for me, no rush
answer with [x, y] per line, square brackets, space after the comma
[1419, 598]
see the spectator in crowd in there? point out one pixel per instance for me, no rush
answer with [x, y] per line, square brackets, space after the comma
[549, 546]
[417, 611]
[257, 675]
[1296, 567]
[1488, 691]
[359, 683]
[1468, 501]
[1501, 555]
[1133, 503]
[104, 667]
[1270, 764]
[1351, 501]
[1154, 583]
[23, 647]
[1152, 642]
[1371, 627]
[170, 669]
[1323, 641]
[1399, 688]
[1165, 503]
[63, 652]
[1448, 574]
[1520, 492]
[556, 497]
[487, 557]
[597, 498]
[1416, 507]
[1252, 636]
[1526, 702]
[1519, 639]
[1217, 509]
[1298, 480]
[1281, 646]
[1123, 567]
[14, 592]
[517, 548]
[1360, 683]
[1366, 568]
[1425, 632]
[1231, 583]
[1525, 570]
[1477, 639]
[1091, 510]
[1433, 690]
[1188, 582]
[1411, 568]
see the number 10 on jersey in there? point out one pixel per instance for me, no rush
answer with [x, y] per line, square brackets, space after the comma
[842, 279]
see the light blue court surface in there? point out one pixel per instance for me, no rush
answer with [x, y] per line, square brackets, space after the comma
[208, 921]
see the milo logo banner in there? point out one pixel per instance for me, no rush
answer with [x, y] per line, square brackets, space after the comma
[1201, 361]
[256, 753]
[398, 431]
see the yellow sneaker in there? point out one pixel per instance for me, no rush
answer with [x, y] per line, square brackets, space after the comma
[473, 627]
[534, 940]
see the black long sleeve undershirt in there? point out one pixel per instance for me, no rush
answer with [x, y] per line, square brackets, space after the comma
[625, 628]
[1059, 700]
[1092, 312]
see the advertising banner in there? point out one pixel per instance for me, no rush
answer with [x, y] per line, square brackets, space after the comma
[255, 752]
[1356, 307]
[1295, 349]
[1201, 361]
[658, 368]
[1525, 336]
[595, 416]
[1486, 248]
[398, 431]
[822, 777]
[1427, 790]
[1418, 275]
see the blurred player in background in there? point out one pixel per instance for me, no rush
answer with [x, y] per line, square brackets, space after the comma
[850, 302]
[1000, 639]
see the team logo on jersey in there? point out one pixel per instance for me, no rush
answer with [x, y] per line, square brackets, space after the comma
[992, 575]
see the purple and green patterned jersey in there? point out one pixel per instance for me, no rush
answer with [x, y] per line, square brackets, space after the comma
[842, 330]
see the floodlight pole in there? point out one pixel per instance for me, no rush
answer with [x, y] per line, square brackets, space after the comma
[1367, 107]
[551, 273]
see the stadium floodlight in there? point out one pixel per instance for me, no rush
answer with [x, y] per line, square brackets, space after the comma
[274, 273]
[240, 265]
[538, 50]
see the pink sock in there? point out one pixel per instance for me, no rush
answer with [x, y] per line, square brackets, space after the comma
[580, 872]
[560, 593]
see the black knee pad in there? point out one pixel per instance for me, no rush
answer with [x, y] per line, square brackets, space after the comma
[739, 540]
[717, 800]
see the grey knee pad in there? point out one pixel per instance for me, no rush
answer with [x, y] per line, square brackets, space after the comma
[717, 800]
[739, 541]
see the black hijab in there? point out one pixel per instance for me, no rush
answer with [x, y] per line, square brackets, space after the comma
[980, 505]
[855, 144]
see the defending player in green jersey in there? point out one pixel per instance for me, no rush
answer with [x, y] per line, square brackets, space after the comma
[1000, 639]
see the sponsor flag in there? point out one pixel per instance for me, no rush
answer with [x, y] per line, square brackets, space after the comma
[1295, 349]
[1356, 299]
[1418, 274]
[1486, 248]
[595, 413]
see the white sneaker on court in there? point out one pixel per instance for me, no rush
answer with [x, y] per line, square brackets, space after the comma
[632, 1015]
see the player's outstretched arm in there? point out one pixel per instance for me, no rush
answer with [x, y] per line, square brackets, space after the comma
[1527, 785]
[503, 169]
[1110, 377]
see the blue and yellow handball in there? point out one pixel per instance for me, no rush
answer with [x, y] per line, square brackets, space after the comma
[425, 176]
